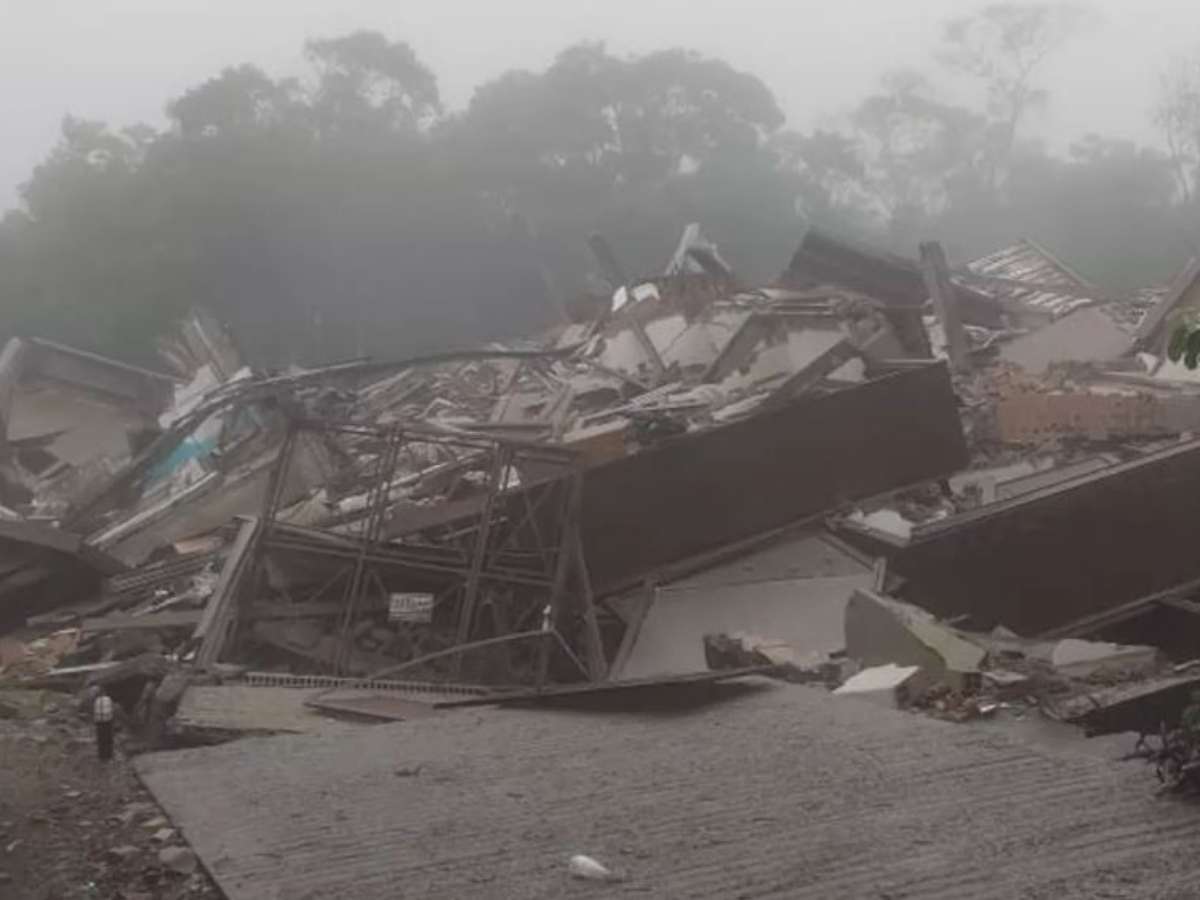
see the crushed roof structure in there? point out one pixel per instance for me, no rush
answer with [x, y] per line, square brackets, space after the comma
[1028, 276]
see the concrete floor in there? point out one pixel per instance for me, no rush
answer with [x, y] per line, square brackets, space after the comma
[780, 792]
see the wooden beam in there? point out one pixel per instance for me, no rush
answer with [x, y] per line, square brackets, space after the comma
[945, 302]
[291, 610]
[181, 618]
[214, 625]
[633, 628]
[595, 644]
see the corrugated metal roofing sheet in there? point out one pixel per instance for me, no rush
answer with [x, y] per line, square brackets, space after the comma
[1026, 261]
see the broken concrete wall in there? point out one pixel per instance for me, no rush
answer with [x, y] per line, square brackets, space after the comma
[1050, 557]
[702, 491]
[1033, 418]
[84, 426]
[62, 408]
[211, 502]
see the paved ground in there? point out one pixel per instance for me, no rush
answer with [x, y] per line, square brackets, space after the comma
[784, 792]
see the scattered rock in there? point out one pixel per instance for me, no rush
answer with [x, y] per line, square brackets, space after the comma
[13, 845]
[408, 771]
[5, 878]
[122, 853]
[156, 823]
[163, 835]
[73, 795]
[178, 859]
[132, 811]
[39, 819]
[9, 711]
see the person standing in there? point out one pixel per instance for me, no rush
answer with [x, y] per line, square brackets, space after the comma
[102, 717]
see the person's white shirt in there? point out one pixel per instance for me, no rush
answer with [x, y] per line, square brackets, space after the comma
[103, 709]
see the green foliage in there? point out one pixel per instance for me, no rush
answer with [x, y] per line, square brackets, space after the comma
[346, 212]
[1184, 342]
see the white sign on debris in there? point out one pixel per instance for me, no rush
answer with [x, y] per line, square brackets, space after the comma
[411, 608]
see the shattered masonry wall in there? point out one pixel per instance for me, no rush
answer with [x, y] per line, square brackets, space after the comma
[700, 492]
[1032, 418]
[1042, 561]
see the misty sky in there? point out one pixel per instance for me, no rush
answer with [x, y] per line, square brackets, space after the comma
[121, 60]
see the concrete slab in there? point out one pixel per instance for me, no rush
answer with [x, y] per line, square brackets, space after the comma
[879, 684]
[785, 792]
[236, 707]
[1086, 335]
[805, 613]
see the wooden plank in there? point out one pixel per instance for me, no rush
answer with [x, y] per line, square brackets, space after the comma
[645, 599]
[182, 618]
[291, 610]
[595, 644]
[213, 626]
[1086, 625]
[594, 688]
[945, 301]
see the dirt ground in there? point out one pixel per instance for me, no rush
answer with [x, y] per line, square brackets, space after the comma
[71, 826]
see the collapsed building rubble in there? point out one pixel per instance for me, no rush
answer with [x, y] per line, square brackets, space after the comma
[779, 469]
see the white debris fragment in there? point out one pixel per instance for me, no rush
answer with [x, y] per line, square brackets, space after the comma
[881, 684]
[888, 521]
[588, 869]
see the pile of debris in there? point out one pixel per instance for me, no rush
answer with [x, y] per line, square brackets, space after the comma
[829, 461]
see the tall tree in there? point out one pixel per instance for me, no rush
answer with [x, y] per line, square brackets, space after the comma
[918, 151]
[367, 83]
[1004, 46]
[240, 100]
[1177, 113]
[631, 121]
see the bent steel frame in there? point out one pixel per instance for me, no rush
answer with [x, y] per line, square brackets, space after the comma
[515, 538]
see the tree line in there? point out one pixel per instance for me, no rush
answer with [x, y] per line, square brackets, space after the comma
[347, 212]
